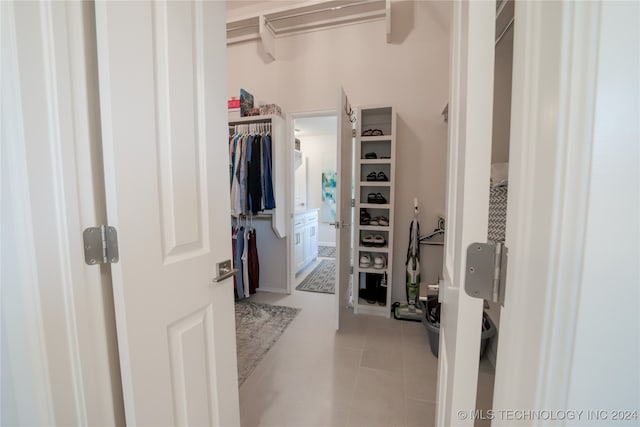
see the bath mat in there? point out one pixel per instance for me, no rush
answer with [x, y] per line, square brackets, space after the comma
[327, 251]
[322, 279]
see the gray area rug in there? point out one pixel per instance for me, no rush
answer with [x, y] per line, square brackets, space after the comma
[258, 327]
[327, 251]
[321, 279]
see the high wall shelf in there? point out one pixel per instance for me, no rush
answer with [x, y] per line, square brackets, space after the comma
[268, 23]
[384, 146]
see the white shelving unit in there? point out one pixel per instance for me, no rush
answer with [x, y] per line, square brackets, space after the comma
[384, 119]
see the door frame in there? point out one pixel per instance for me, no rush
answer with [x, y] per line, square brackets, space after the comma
[557, 48]
[555, 65]
[291, 205]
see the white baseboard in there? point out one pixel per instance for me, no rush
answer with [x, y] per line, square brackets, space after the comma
[273, 291]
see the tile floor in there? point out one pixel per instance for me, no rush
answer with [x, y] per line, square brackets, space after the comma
[373, 372]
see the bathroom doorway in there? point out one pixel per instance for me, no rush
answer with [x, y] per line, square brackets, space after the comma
[315, 160]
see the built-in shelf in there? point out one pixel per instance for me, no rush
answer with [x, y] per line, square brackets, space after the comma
[372, 270]
[375, 184]
[373, 249]
[268, 23]
[376, 138]
[253, 119]
[374, 228]
[373, 206]
[382, 118]
[375, 161]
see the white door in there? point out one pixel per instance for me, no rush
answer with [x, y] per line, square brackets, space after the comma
[469, 158]
[343, 203]
[163, 87]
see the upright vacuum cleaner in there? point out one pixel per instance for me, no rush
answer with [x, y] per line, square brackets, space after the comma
[412, 310]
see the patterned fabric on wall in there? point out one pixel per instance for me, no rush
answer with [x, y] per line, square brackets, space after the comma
[497, 213]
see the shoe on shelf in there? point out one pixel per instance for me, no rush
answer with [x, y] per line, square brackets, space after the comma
[371, 283]
[365, 260]
[367, 240]
[365, 218]
[378, 241]
[381, 176]
[379, 262]
[372, 132]
[372, 198]
[382, 290]
[382, 220]
[378, 198]
[371, 155]
[372, 176]
[375, 221]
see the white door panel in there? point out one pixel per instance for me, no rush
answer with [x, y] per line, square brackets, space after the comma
[162, 96]
[343, 203]
[470, 118]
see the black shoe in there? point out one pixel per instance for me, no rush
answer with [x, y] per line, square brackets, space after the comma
[371, 281]
[382, 291]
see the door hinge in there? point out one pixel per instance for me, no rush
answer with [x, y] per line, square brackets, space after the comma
[353, 203]
[100, 245]
[486, 271]
[353, 133]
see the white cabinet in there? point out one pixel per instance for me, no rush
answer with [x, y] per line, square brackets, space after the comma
[374, 201]
[305, 234]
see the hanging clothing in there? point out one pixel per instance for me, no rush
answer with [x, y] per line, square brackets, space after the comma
[269, 198]
[236, 199]
[254, 186]
[254, 263]
[245, 264]
[237, 263]
[242, 178]
[251, 173]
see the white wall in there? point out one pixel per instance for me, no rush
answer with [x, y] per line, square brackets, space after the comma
[605, 371]
[321, 152]
[411, 74]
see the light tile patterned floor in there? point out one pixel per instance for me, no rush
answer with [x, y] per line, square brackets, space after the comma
[373, 372]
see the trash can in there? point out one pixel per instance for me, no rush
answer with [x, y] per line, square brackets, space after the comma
[431, 322]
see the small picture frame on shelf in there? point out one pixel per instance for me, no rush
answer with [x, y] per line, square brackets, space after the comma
[246, 103]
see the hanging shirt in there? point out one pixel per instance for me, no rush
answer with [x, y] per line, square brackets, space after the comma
[245, 265]
[236, 203]
[237, 263]
[269, 197]
[254, 186]
[242, 177]
[254, 264]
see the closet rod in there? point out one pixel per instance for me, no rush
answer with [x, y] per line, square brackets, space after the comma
[246, 122]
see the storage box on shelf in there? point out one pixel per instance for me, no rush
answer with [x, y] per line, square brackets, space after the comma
[375, 195]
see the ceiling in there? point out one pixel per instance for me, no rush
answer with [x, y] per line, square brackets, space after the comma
[311, 126]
